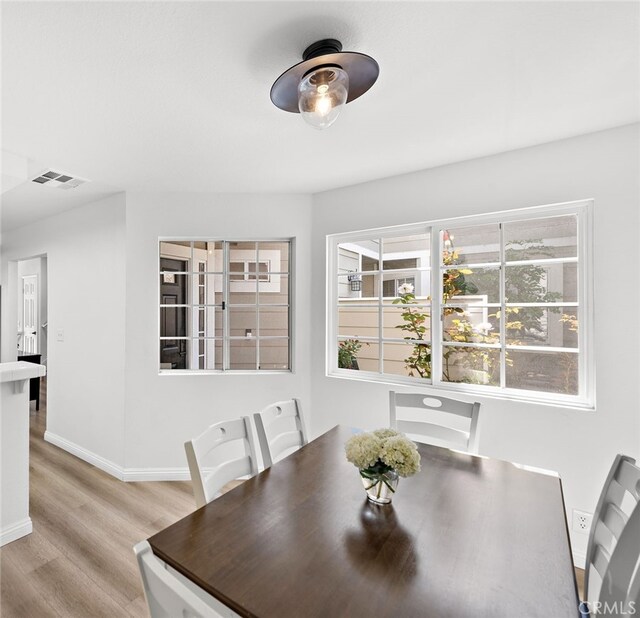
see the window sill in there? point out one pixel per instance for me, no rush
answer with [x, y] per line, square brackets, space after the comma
[229, 372]
[528, 397]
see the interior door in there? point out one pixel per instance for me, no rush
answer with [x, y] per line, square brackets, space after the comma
[173, 321]
[30, 314]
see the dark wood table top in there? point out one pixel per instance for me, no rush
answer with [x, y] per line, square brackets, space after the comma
[467, 536]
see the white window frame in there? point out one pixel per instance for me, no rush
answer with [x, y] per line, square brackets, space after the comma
[272, 285]
[585, 399]
[267, 256]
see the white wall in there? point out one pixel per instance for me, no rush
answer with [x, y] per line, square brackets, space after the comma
[105, 394]
[106, 401]
[35, 266]
[604, 166]
[165, 410]
[85, 248]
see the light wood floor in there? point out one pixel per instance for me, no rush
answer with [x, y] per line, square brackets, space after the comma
[580, 580]
[79, 562]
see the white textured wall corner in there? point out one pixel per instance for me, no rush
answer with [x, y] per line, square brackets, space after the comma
[85, 249]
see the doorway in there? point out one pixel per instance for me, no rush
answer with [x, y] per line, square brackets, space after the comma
[32, 318]
[32, 307]
[29, 315]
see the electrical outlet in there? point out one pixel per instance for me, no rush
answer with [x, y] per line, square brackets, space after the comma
[581, 521]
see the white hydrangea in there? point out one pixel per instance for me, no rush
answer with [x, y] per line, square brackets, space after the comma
[385, 449]
[385, 432]
[363, 450]
[401, 454]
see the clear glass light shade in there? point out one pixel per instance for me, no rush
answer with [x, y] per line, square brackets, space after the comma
[321, 95]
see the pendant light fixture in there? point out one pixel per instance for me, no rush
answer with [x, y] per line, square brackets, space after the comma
[324, 82]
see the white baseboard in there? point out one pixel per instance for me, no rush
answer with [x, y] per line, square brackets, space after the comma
[16, 531]
[579, 559]
[82, 453]
[123, 474]
[156, 474]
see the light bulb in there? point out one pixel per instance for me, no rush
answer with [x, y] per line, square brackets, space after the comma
[323, 106]
[322, 93]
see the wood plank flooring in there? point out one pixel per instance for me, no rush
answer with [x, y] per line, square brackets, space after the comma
[580, 580]
[79, 561]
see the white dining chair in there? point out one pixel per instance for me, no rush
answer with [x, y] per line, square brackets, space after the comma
[166, 595]
[433, 428]
[280, 429]
[207, 480]
[612, 572]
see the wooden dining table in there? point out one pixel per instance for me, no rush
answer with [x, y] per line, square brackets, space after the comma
[466, 536]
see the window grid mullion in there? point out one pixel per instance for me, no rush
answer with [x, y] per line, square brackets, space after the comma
[380, 307]
[471, 344]
[543, 261]
[333, 308]
[503, 312]
[479, 305]
[584, 233]
[226, 346]
[542, 348]
[543, 304]
[436, 307]
[191, 292]
[470, 265]
[257, 306]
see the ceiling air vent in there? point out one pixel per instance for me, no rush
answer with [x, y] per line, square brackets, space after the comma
[58, 180]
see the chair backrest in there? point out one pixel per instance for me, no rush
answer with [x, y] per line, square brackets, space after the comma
[207, 481]
[464, 440]
[280, 428]
[166, 596]
[613, 553]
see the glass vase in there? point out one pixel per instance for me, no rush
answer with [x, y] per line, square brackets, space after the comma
[380, 487]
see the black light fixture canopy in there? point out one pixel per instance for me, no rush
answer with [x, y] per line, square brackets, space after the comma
[362, 70]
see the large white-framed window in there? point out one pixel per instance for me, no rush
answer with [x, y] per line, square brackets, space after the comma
[225, 305]
[497, 304]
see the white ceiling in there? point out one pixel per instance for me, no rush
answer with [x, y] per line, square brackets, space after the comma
[174, 96]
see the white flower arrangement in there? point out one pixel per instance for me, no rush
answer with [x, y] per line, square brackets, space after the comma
[382, 450]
